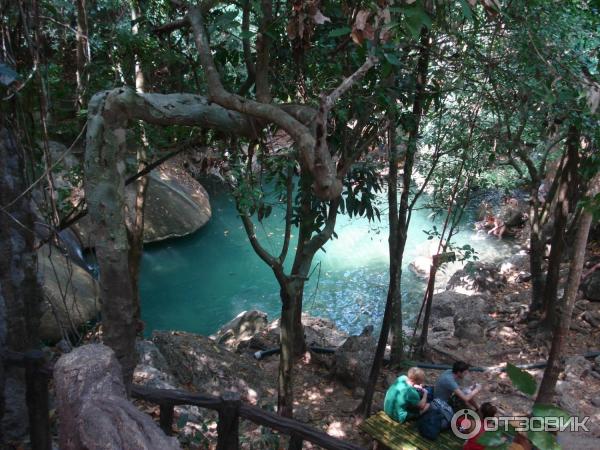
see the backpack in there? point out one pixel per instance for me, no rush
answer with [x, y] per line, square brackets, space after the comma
[430, 424]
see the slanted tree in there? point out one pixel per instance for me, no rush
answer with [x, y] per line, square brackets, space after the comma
[567, 302]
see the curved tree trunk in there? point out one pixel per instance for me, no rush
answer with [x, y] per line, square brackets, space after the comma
[109, 115]
[104, 187]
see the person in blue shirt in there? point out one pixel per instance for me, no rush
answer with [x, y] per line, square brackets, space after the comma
[406, 398]
[448, 389]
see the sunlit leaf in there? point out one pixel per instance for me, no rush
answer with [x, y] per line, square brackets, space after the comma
[392, 59]
[543, 440]
[343, 31]
[522, 380]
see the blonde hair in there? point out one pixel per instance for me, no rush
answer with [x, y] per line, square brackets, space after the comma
[416, 375]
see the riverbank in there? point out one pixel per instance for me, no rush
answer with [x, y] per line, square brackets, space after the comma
[328, 387]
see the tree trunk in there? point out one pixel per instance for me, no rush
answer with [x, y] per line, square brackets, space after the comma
[392, 316]
[536, 250]
[393, 296]
[20, 291]
[561, 331]
[428, 298]
[411, 150]
[365, 406]
[83, 56]
[560, 224]
[104, 192]
[136, 227]
[285, 399]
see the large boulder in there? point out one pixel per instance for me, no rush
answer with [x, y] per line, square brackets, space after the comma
[469, 314]
[591, 286]
[152, 369]
[93, 409]
[477, 278]
[516, 268]
[353, 360]
[238, 331]
[71, 295]
[318, 332]
[176, 205]
[210, 368]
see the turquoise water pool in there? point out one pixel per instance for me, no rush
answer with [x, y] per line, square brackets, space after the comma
[199, 282]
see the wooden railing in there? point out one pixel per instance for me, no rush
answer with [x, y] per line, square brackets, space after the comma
[230, 410]
[228, 406]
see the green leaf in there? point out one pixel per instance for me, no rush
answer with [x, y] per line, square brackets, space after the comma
[51, 8]
[466, 10]
[246, 34]
[339, 32]
[492, 438]
[415, 17]
[543, 440]
[392, 59]
[522, 380]
[550, 411]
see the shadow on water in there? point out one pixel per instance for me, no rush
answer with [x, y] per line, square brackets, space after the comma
[199, 282]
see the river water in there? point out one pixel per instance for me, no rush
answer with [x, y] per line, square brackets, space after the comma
[199, 282]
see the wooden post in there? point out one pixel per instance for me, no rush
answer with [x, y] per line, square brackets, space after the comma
[295, 442]
[166, 418]
[37, 400]
[229, 421]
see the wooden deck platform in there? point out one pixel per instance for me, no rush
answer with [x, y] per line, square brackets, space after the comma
[405, 436]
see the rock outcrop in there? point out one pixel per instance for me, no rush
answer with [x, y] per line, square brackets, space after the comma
[237, 332]
[477, 278]
[93, 408]
[516, 268]
[318, 332]
[591, 286]
[210, 368]
[71, 295]
[353, 360]
[466, 316]
[176, 205]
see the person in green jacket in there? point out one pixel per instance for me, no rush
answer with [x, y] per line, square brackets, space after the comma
[406, 398]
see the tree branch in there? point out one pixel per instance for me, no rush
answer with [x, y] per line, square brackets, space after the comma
[314, 156]
[172, 26]
[288, 214]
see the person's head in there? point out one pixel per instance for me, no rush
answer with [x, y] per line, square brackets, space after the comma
[487, 410]
[416, 375]
[460, 368]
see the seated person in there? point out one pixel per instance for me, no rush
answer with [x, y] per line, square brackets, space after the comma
[406, 398]
[499, 227]
[486, 410]
[448, 390]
